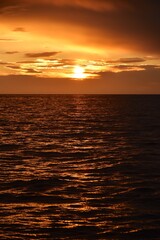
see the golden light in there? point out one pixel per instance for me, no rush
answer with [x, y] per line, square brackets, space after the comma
[79, 72]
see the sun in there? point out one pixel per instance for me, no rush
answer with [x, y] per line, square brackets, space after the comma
[79, 72]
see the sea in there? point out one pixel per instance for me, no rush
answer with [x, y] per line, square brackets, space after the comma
[78, 167]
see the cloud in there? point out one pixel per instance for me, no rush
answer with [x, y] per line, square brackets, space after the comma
[131, 60]
[64, 67]
[9, 6]
[103, 5]
[127, 61]
[134, 27]
[122, 67]
[150, 67]
[7, 40]
[3, 63]
[41, 54]
[31, 70]
[134, 82]
[11, 52]
[9, 3]
[130, 66]
[19, 29]
[122, 24]
[26, 62]
[13, 67]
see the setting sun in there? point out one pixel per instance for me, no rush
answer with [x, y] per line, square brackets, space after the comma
[79, 119]
[79, 72]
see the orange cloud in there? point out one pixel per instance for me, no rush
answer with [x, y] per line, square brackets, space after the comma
[132, 26]
[41, 54]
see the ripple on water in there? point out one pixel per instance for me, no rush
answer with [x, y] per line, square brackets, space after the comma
[79, 167]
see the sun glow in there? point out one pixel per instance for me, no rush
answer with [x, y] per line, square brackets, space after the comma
[79, 72]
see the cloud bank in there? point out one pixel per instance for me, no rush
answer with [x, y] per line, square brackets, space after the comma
[130, 24]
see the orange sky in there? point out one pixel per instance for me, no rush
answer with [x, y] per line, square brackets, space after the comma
[77, 46]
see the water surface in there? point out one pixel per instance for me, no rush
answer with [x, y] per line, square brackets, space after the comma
[79, 167]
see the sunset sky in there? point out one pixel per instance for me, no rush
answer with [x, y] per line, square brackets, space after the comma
[80, 46]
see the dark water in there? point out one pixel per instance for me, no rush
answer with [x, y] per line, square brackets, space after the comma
[80, 167]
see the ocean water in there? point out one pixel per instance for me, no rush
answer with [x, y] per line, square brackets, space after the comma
[79, 167]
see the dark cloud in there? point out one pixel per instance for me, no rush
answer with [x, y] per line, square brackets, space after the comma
[66, 61]
[3, 63]
[10, 3]
[27, 62]
[131, 60]
[103, 5]
[11, 52]
[134, 82]
[31, 70]
[127, 60]
[150, 67]
[41, 54]
[11, 7]
[130, 24]
[134, 67]
[13, 67]
[19, 29]
[123, 23]
[7, 40]
[122, 67]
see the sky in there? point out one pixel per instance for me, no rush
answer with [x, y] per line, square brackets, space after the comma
[79, 46]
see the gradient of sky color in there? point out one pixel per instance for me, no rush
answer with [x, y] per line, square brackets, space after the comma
[80, 46]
